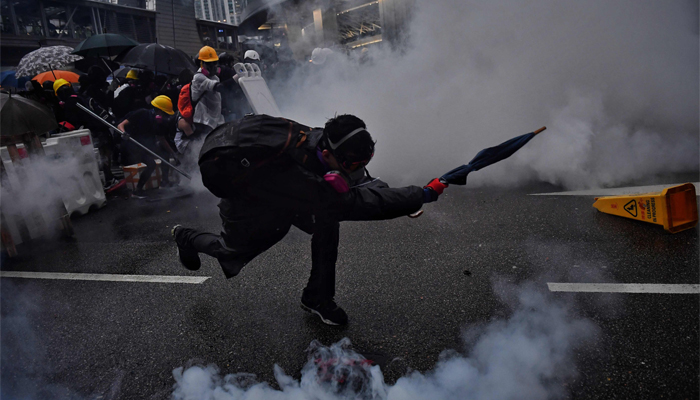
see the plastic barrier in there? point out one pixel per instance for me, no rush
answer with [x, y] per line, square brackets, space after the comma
[132, 173]
[675, 208]
[71, 157]
[256, 91]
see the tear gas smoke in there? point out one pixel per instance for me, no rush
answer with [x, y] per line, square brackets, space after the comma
[530, 355]
[35, 187]
[615, 83]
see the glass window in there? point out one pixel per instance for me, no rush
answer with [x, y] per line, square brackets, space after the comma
[206, 34]
[220, 38]
[7, 25]
[143, 33]
[56, 19]
[82, 23]
[28, 18]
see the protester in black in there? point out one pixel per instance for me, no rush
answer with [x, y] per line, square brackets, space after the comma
[132, 95]
[102, 138]
[95, 86]
[150, 127]
[330, 185]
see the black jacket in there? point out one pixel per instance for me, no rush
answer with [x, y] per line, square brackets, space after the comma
[290, 190]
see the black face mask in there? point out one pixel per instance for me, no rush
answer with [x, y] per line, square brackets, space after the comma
[210, 70]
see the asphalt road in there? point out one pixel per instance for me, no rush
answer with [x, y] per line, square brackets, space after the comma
[412, 288]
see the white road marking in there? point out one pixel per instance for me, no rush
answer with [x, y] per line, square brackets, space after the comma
[617, 191]
[105, 277]
[661, 288]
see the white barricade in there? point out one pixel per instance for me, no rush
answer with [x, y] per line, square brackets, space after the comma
[84, 185]
[256, 91]
[72, 157]
[28, 213]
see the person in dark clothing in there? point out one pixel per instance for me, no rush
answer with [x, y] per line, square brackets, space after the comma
[332, 185]
[225, 73]
[102, 139]
[132, 95]
[150, 127]
[95, 86]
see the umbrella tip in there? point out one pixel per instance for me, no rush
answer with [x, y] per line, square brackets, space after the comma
[540, 130]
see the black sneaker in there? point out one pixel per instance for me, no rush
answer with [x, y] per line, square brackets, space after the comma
[139, 194]
[188, 258]
[329, 312]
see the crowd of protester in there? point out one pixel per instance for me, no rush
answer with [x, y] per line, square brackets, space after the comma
[149, 108]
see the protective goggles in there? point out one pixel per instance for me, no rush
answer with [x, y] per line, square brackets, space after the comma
[349, 164]
[352, 165]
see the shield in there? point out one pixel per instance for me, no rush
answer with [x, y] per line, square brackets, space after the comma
[486, 157]
[19, 115]
[45, 59]
[158, 58]
[104, 45]
[56, 75]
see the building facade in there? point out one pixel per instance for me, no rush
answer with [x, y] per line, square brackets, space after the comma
[226, 11]
[30, 24]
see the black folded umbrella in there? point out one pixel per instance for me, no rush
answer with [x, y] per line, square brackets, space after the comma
[19, 115]
[486, 157]
[157, 58]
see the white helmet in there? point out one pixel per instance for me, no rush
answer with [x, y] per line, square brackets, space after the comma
[252, 54]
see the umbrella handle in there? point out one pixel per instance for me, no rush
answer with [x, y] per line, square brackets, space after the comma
[539, 130]
[52, 73]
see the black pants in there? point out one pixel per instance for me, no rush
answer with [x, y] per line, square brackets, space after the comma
[138, 155]
[250, 229]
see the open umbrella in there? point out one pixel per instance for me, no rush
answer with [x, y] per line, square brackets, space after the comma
[9, 79]
[104, 63]
[56, 75]
[158, 58]
[486, 157]
[19, 115]
[104, 45]
[45, 59]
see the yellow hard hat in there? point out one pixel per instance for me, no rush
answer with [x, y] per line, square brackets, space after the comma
[133, 74]
[58, 84]
[208, 54]
[164, 104]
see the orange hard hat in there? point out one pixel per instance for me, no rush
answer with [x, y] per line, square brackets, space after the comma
[208, 54]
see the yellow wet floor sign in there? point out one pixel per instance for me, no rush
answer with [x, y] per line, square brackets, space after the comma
[675, 207]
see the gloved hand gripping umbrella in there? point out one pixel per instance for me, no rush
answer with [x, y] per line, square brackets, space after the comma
[484, 158]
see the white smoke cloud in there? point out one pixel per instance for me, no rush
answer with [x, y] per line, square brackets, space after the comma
[36, 186]
[529, 355]
[614, 82]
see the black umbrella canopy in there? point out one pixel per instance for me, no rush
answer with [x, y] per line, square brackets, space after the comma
[158, 58]
[87, 62]
[19, 115]
[104, 45]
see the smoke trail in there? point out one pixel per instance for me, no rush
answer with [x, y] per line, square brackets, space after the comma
[526, 356]
[615, 82]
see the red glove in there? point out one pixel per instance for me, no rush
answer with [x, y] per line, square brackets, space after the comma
[436, 185]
